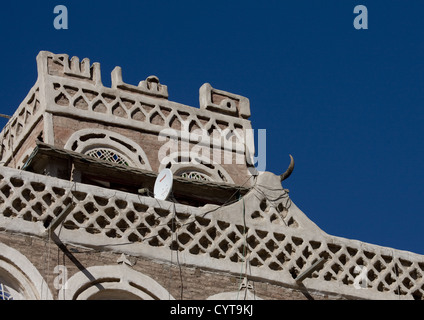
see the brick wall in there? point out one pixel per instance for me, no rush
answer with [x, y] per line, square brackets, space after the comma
[198, 283]
[64, 127]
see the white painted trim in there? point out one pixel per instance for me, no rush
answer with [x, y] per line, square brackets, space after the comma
[108, 142]
[28, 280]
[87, 283]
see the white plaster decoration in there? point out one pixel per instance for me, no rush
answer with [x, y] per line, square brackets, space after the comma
[150, 86]
[223, 101]
[68, 87]
[183, 163]
[20, 125]
[246, 292]
[235, 295]
[108, 143]
[144, 106]
[123, 259]
[112, 282]
[20, 276]
[195, 175]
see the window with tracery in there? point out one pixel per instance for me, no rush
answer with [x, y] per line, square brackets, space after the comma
[195, 175]
[184, 165]
[4, 293]
[108, 155]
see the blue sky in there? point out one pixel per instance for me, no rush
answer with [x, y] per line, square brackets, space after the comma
[346, 103]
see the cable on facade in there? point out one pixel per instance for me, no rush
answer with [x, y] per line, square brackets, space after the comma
[175, 231]
[397, 273]
[272, 201]
[227, 202]
[244, 261]
[48, 255]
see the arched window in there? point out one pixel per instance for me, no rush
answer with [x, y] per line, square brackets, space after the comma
[110, 146]
[19, 278]
[113, 282]
[109, 155]
[196, 168]
[195, 175]
[4, 293]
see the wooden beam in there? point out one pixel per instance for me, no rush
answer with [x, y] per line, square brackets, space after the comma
[59, 219]
[310, 270]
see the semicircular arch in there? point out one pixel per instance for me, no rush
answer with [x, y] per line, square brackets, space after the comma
[20, 277]
[86, 140]
[190, 163]
[112, 282]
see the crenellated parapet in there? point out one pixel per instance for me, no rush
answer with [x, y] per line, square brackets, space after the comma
[223, 102]
[151, 86]
[70, 87]
[60, 65]
[213, 100]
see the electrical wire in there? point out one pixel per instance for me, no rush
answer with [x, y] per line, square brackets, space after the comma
[177, 252]
[244, 261]
[174, 228]
[397, 273]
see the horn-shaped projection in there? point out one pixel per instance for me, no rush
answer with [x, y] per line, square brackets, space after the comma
[289, 170]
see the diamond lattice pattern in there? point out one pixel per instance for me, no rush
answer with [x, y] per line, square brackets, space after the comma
[264, 238]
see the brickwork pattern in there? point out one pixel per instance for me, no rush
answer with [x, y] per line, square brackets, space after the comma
[198, 283]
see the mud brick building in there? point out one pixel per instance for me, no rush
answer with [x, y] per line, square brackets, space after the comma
[78, 219]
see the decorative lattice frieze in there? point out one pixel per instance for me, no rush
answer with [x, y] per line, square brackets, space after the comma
[86, 100]
[267, 233]
[22, 122]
